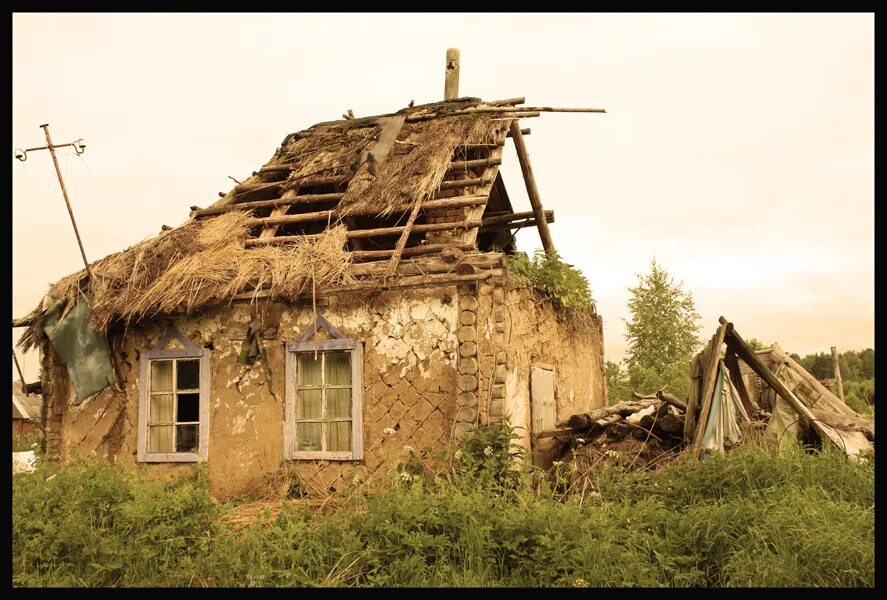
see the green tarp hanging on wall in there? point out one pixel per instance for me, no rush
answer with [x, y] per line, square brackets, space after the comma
[84, 352]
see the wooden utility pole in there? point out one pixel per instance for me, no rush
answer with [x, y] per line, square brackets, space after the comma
[837, 366]
[78, 145]
[451, 76]
[532, 191]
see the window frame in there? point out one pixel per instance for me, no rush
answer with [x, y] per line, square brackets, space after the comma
[160, 352]
[355, 349]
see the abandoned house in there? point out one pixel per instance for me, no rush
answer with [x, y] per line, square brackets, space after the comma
[348, 299]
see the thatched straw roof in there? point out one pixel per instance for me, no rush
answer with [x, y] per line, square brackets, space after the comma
[417, 182]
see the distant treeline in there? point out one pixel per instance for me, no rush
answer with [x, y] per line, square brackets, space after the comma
[855, 365]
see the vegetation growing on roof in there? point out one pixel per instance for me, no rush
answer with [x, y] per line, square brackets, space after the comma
[564, 283]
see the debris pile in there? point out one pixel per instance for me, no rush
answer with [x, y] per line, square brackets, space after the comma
[736, 394]
[643, 433]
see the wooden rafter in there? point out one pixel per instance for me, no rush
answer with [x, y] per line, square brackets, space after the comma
[402, 241]
[270, 228]
[532, 191]
[489, 178]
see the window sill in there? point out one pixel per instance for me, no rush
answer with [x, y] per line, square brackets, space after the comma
[338, 456]
[179, 457]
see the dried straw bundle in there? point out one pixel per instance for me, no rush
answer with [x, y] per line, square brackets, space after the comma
[201, 263]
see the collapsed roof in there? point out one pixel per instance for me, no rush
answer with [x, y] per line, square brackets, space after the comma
[404, 199]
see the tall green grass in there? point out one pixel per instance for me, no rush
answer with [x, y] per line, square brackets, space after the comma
[749, 518]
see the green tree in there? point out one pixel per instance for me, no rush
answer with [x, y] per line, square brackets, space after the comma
[661, 334]
[754, 344]
[618, 388]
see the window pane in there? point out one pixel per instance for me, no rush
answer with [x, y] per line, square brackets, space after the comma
[338, 436]
[308, 404]
[161, 375]
[338, 403]
[338, 368]
[161, 409]
[188, 408]
[188, 375]
[160, 439]
[308, 436]
[309, 369]
[186, 438]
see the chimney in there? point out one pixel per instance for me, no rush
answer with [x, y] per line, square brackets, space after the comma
[451, 76]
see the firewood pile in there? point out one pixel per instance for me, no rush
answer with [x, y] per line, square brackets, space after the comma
[640, 434]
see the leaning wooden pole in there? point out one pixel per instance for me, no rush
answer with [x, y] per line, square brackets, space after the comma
[451, 75]
[532, 191]
[58, 172]
[805, 415]
[837, 365]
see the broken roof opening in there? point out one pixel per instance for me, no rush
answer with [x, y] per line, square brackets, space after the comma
[420, 184]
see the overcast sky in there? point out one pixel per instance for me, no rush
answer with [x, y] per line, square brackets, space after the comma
[738, 149]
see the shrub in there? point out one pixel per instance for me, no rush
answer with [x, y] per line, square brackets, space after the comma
[564, 283]
[748, 518]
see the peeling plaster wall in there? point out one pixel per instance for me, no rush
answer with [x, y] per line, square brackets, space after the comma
[409, 381]
[518, 324]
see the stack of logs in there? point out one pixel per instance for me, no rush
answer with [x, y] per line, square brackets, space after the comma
[656, 419]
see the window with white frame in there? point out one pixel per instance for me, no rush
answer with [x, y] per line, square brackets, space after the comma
[324, 383]
[174, 401]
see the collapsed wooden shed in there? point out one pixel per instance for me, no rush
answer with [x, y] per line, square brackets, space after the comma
[346, 301]
[770, 384]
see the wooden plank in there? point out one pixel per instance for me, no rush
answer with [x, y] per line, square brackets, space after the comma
[289, 410]
[323, 215]
[365, 233]
[457, 165]
[357, 402]
[419, 281]
[333, 215]
[413, 251]
[521, 216]
[708, 390]
[402, 241]
[320, 345]
[451, 74]
[532, 191]
[270, 227]
[470, 236]
[836, 365]
[698, 363]
[461, 183]
[664, 397]
[506, 112]
[272, 203]
[255, 187]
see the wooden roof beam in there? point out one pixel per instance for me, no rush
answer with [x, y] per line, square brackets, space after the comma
[532, 191]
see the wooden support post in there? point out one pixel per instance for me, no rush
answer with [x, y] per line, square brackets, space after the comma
[838, 383]
[708, 390]
[532, 191]
[451, 76]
